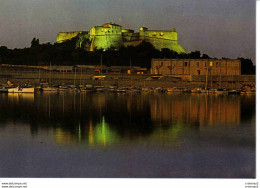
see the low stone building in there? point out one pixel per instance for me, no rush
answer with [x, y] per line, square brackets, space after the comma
[190, 67]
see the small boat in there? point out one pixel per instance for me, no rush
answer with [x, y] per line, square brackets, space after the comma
[251, 92]
[133, 90]
[112, 88]
[21, 90]
[88, 88]
[50, 89]
[221, 91]
[196, 90]
[233, 91]
[204, 91]
[174, 89]
[121, 90]
[160, 90]
[63, 88]
[77, 89]
[99, 88]
[147, 89]
[5, 88]
[212, 90]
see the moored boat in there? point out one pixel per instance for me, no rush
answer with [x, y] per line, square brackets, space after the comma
[99, 88]
[21, 90]
[174, 89]
[251, 92]
[5, 88]
[49, 89]
[221, 91]
[147, 89]
[204, 91]
[212, 90]
[233, 91]
[196, 90]
[121, 90]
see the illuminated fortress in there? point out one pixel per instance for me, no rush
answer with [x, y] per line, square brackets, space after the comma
[111, 35]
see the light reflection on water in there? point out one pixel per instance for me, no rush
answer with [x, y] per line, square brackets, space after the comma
[107, 120]
[104, 119]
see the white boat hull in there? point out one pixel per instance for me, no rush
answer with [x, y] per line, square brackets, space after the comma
[21, 90]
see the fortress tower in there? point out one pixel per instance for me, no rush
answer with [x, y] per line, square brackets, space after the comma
[106, 36]
[111, 35]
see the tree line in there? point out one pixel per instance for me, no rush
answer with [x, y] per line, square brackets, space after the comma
[68, 53]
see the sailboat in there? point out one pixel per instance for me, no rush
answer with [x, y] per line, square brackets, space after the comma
[48, 87]
[100, 88]
[220, 90]
[6, 87]
[233, 91]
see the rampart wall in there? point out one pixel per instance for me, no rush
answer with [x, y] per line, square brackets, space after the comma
[112, 35]
[62, 36]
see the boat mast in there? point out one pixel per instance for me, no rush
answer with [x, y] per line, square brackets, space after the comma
[131, 70]
[232, 81]
[220, 78]
[206, 77]
[101, 69]
[50, 73]
[75, 77]
[80, 75]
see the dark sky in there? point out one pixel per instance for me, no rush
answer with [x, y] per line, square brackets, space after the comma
[219, 28]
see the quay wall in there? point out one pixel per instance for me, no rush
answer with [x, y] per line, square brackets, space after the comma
[142, 80]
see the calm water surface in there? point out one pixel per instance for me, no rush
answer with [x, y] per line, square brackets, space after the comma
[127, 135]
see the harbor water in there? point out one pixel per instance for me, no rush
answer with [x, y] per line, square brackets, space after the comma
[127, 135]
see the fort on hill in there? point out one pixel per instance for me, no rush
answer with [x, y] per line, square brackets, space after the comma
[111, 35]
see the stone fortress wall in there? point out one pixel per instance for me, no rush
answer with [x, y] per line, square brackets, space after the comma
[112, 35]
[106, 36]
[63, 36]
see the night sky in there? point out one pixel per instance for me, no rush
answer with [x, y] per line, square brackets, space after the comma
[219, 28]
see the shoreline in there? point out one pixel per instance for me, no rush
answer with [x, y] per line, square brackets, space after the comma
[126, 80]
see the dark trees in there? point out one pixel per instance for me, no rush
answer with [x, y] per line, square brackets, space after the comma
[35, 43]
[69, 53]
[247, 66]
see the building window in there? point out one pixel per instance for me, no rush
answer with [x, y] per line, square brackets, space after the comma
[161, 63]
[198, 64]
[198, 71]
[205, 64]
[217, 64]
[185, 64]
